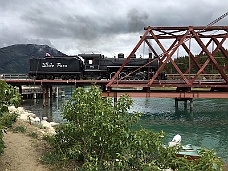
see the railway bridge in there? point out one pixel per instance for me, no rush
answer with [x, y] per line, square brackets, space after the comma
[203, 77]
[173, 87]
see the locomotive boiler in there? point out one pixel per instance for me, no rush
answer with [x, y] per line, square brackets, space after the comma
[99, 67]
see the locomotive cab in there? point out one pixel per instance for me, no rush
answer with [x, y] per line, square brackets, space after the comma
[92, 68]
[92, 62]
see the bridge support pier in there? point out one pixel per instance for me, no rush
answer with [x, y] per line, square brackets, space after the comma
[185, 102]
[62, 92]
[56, 91]
[20, 89]
[34, 95]
[50, 94]
[115, 98]
[47, 93]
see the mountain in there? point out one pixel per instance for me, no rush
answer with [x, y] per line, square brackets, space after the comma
[15, 58]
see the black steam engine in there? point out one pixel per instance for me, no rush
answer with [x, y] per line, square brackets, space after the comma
[91, 66]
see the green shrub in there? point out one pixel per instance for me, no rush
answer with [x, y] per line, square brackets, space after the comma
[8, 119]
[100, 135]
[8, 96]
[47, 138]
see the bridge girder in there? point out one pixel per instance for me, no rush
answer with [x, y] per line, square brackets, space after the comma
[204, 37]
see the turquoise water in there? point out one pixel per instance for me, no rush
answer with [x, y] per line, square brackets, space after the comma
[205, 126]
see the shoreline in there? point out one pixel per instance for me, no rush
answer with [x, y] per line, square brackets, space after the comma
[47, 128]
[32, 119]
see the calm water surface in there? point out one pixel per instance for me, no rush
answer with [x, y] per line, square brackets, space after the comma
[206, 125]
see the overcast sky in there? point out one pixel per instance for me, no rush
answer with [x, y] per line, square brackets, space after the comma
[99, 26]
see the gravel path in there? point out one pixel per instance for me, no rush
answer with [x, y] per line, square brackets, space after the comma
[20, 154]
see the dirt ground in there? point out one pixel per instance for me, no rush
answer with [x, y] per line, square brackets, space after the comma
[22, 152]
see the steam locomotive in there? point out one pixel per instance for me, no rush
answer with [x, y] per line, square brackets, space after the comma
[91, 66]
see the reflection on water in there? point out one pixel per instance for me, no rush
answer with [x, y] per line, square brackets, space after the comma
[206, 125]
[52, 110]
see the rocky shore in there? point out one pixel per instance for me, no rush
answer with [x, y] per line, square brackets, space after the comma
[27, 116]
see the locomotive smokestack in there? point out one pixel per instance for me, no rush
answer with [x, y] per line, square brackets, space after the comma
[120, 55]
[150, 55]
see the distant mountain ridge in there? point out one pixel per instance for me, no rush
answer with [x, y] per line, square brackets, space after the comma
[15, 58]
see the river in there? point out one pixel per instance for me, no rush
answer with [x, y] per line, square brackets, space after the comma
[205, 126]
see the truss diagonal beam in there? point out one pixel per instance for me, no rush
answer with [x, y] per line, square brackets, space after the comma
[192, 57]
[128, 58]
[224, 76]
[208, 60]
[156, 54]
[223, 50]
[197, 58]
[168, 57]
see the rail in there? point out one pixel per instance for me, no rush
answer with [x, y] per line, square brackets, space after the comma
[14, 76]
[168, 76]
[200, 77]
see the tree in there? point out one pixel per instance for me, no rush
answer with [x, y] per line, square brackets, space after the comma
[8, 96]
[100, 136]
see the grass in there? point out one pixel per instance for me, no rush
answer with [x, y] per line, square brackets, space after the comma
[20, 129]
[33, 134]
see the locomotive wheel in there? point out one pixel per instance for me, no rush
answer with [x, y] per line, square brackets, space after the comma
[67, 77]
[137, 77]
[63, 77]
[75, 77]
[50, 77]
[38, 77]
[140, 76]
[122, 74]
[112, 75]
[78, 77]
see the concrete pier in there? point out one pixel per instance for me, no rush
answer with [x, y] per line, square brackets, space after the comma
[62, 90]
[56, 92]
[185, 102]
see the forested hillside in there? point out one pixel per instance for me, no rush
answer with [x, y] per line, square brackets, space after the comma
[184, 63]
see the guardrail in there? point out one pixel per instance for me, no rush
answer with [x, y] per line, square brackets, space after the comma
[168, 76]
[190, 76]
[14, 76]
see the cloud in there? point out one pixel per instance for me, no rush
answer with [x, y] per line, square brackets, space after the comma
[136, 20]
[102, 26]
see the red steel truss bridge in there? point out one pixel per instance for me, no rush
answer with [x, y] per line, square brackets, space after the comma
[179, 36]
[165, 43]
[203, 36]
